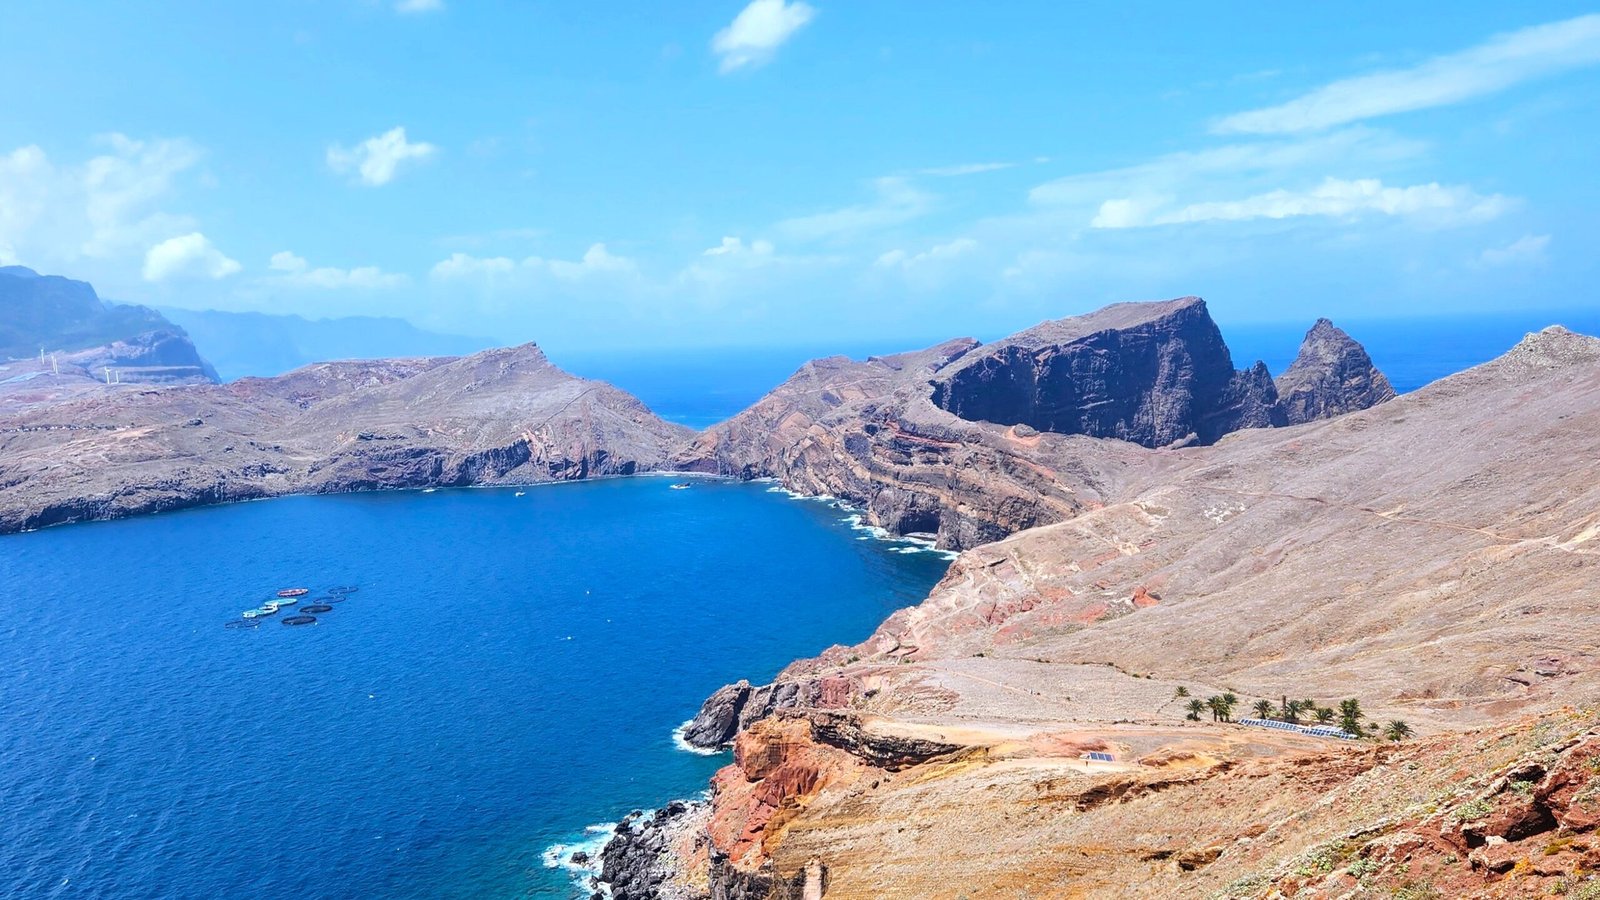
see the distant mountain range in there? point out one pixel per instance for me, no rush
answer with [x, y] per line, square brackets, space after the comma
[90, 338]
[251, 343]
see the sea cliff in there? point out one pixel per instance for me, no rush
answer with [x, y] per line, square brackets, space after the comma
[1430, 556]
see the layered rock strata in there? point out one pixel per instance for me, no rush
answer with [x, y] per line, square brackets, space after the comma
[972, 443]
[1435, 556]
[499, 417]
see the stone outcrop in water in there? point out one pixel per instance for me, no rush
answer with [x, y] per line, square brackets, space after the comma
[1332, 375]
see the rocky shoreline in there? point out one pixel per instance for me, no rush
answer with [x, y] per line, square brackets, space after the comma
[949, 754]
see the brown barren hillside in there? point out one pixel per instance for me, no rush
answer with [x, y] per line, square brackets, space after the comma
[498, 417]
[1434, 556]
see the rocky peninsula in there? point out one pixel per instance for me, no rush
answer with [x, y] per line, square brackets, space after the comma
[1141, 524]
[1024, 731]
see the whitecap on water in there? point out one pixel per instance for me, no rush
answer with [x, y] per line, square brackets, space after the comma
[685, 746]
[594, 840]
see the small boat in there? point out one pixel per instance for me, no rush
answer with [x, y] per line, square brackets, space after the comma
[682, 486]
[270, 609]
[250, 613]
[519, 493]
[429, 490]
[294, 592]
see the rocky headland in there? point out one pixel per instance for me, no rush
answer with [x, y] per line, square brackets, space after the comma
[87, 340]
[974, 442]
[499, 417]
[1142, 525]
[1432, 554]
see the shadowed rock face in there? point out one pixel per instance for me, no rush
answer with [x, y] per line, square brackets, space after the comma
[973, 443]
[1149, 373]
[1332, 375]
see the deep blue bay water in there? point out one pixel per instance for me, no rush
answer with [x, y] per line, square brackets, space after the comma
[510, 671]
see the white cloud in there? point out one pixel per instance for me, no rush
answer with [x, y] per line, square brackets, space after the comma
[1243, 181]
[1256, 165]
[898, 201]
[376, 159]
[1334, 197]
[758, 31]
[1530, 249]
[296, 272]
[187, 256]
[965, 169]
[409, 7]
[899, 259]
[462, 265]
[596, 261]
[107, 208]
[1494, 65]
[732, 246]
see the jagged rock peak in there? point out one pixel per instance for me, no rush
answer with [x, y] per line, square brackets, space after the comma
[1151, 373]
[1332, 375]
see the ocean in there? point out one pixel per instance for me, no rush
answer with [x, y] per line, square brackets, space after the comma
[509, 672]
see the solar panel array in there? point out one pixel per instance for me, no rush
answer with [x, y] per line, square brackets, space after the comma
[1097, 756]
[1313, 730]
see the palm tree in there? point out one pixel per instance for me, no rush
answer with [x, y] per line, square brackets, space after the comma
[1219, 708]
[1263, 709]
[1397, 731]
[1196, 707]
[1181, 692]
[1324, 715]
[1350, 716]
[1230, 698]
[1291, 711]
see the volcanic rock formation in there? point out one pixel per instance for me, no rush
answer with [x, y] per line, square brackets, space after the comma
[1332, 375]
[1435, 556]
[1150, 373]
[973, 443]
[88, 335]
[497, 417]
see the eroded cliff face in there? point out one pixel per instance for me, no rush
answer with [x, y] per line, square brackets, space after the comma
[972, 443]
[1331, 376]
[1435, 556]
[1150, 373]
[499, 417]
[1224, 812]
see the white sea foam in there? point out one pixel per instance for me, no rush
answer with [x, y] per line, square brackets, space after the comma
[855, 519]
[685, 746]
[594, 840]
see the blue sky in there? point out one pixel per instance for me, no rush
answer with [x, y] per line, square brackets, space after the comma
[727, 173]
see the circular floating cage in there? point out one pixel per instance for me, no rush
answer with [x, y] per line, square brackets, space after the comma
[241, 623]
[315, 608]
[343, 589]
[294, 592]
[333, 598]
[300, 620]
